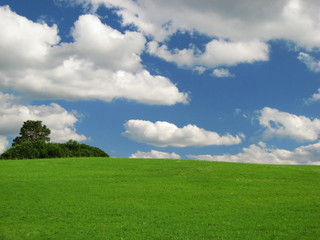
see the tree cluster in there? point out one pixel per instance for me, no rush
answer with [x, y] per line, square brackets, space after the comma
[34, 143]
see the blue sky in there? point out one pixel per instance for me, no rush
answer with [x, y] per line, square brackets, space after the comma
[205, 80]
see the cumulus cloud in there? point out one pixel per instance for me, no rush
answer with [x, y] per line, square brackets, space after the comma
[293, 20]
[24, 43]
[217, 53]
[183, 57]
[316, 96]
[155, 154]
[312, 63]
[101, 63]
[105, 46]
[222, 73]
[259, 153]
[13, 114]
[163, 134]
[282, 124]
[240, 29]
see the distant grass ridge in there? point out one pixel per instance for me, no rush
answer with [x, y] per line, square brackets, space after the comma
[140, 199]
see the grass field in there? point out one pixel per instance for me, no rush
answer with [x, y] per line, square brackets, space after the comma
[108, 198]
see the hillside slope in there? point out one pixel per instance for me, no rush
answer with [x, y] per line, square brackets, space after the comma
[109, 198]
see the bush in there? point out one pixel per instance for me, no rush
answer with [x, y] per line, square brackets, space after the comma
[24, 150]
[40, 149]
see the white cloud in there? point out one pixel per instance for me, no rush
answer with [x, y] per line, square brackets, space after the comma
[59, 121]
[312, 63]
[282, 124]
[163, 134]
[102, 63]
[4, 144]
[222, 73]
[217, 53]
[155, 154]
[293, 20]
[182, 58]
[316, 96]
[199, 69]
[220, 52]
[24, 43]
[105, 46]
[309, 154]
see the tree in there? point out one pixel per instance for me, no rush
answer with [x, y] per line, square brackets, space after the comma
[33, 142]
[32, 131]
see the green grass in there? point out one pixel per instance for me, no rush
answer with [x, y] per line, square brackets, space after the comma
[107, 198]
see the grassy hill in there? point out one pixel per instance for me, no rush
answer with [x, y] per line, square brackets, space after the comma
[108, 198]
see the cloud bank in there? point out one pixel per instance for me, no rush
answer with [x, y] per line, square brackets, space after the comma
[217, 53]
[101, 63]
[259, 153]
[278, 124]
[155, 154]
[239, 30]
[293, 20]
[163, 134]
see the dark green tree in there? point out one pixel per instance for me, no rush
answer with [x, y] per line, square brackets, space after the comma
[32, 131]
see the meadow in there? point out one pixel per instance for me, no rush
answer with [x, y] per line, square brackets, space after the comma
[140, 199]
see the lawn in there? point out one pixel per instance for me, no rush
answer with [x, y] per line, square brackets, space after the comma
[137, 199]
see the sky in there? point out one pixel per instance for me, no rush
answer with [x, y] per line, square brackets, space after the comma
[214, 80]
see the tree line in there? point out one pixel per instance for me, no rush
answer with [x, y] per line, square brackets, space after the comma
[34, 142]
